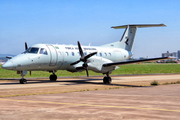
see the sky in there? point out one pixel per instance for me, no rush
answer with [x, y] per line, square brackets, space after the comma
[89, 21]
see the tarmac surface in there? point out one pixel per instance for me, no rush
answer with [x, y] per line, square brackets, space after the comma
[128, 97]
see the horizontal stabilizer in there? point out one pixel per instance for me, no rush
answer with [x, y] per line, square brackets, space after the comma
[136, 61]
[138, 25]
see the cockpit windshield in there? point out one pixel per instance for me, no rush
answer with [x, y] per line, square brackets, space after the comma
[32, 50]
[43, 51]
[35, 50]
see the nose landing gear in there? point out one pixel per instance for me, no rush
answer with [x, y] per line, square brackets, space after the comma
[22, 80]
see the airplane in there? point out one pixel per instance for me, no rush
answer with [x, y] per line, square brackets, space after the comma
[101, 59]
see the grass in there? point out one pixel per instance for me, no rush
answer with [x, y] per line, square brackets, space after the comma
[148, 69]
[123, 70]
[177, 82]
[154, 83]
[166, 83]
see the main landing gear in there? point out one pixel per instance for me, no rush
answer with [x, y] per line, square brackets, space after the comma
[53, 77]
[22, 81]
[107, 79]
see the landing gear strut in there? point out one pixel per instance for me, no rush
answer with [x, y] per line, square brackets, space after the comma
[107, 79]
[22, 80]
[53, 77]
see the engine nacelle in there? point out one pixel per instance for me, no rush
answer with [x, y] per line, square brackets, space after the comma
[96, 64]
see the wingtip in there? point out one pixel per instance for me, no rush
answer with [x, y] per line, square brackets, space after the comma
[163, 24]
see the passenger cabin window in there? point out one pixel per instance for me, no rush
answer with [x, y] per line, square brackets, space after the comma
[105, 54]
[109, 54]
[66, 53]
[100, 54]
[72, 53]
[43, 51]
[32, 50]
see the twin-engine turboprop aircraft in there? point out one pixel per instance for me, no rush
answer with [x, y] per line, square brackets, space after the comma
[101, 59]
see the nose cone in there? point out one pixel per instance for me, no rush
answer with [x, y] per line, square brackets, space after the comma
[8, 65]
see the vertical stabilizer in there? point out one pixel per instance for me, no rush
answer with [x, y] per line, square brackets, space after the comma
[127, 39]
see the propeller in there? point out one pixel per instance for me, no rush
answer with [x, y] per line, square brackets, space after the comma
[83, 58]
[26, 47]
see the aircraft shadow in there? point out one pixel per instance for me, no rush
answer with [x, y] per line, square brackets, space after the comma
[69, 82]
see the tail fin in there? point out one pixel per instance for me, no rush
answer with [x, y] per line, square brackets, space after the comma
[127, 39]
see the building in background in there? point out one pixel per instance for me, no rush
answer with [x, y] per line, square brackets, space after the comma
[168, 54]
[178, 54]
[173, 54]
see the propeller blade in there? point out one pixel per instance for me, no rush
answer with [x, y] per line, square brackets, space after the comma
[75, 63]
[89, 55]
[9, 57]
[87, 72]
[85, 66]
[83, 59]
[26, 47]
[30, 72]
[80, 50]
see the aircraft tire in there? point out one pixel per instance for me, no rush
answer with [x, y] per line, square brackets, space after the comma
[22, 81]
[104, 80]
[107, 80]
[53, 77]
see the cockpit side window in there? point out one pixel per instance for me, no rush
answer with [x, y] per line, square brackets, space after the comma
[43, 51]
[32, 50]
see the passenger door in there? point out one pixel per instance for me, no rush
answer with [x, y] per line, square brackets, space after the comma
[53, 55]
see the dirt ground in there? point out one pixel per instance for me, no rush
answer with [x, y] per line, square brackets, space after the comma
[11, 87]
[128, 97]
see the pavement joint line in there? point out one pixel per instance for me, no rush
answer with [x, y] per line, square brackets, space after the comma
[105, 106]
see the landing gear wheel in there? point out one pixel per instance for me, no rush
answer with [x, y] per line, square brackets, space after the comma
[107, 80]
[53, 77]
[22, 81]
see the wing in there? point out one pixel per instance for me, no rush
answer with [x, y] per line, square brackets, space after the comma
[135, 61]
